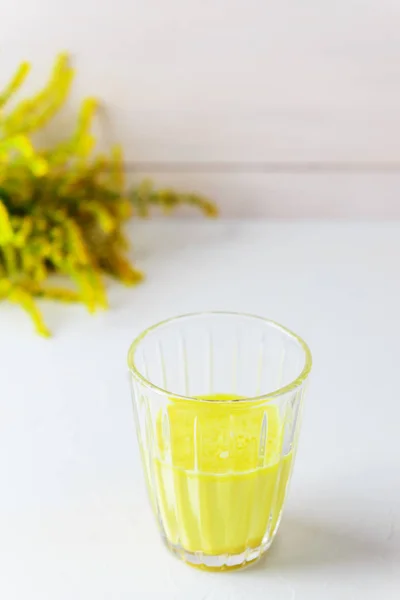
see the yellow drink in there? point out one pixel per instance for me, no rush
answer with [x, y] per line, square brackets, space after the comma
[217, 467]
[220, 477]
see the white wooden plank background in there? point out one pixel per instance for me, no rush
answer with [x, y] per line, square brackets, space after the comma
[283, 108]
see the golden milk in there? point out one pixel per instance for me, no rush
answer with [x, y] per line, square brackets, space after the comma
[220, 477]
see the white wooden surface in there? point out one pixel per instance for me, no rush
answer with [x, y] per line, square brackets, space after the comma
[251, 83]
[74, 518]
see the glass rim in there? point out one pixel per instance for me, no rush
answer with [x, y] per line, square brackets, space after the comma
[289, 387]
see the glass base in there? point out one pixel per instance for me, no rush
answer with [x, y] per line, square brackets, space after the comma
[219, 562]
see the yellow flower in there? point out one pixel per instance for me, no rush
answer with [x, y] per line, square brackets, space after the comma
[61, 208]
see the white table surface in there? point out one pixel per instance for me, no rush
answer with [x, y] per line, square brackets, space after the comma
[74, 518]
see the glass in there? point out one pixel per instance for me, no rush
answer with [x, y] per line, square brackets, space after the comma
[217, 401]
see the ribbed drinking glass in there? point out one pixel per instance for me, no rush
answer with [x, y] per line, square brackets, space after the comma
[217, 401]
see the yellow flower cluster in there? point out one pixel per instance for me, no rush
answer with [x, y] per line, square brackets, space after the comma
[61, 209]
